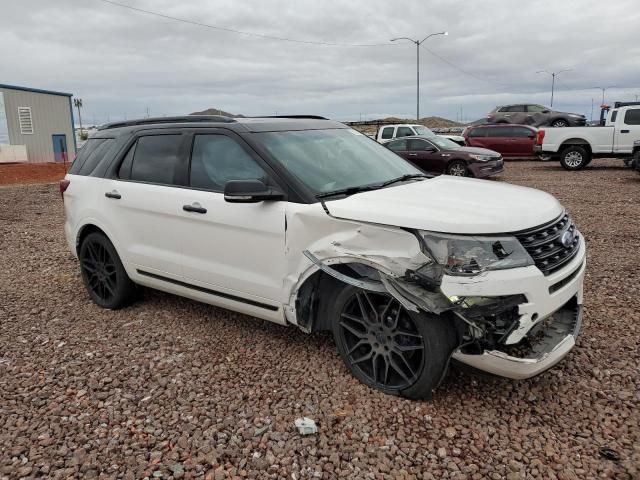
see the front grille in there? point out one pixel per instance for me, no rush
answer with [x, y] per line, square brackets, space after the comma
[544, 244]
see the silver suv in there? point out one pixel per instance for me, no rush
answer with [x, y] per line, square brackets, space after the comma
[534, 115]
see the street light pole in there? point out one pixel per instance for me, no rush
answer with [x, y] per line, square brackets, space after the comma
[418, 43]
[603, 90]
[553, 79]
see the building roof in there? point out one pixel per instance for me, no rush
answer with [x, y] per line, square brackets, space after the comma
[35, 90]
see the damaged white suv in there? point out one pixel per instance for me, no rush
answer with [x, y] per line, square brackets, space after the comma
[304, 221]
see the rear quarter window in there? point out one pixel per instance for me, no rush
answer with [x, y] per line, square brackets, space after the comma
[90, 155]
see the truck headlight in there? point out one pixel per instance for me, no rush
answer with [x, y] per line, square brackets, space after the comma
[472, 254]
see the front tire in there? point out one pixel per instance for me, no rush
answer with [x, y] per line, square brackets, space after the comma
[457, 168]
[389, 348]
[574, 158]
[103, 274]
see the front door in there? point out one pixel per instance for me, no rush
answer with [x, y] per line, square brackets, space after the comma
[234, 248]
[60, 148]
[425, 156]
[627, 129]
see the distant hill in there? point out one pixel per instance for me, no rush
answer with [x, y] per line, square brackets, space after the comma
[217, 111]
[431, 122]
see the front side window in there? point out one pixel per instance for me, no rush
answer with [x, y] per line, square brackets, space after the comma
[216, 159]
[444, 143]
[327, 160]
[632, 117]
[404, 132]
[387, 132]
[156, 159]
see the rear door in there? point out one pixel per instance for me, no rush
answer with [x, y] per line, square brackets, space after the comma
[235, 249]
[142, 203]
[627, 130]
[514, 113]
[499, 139]
[521, 141]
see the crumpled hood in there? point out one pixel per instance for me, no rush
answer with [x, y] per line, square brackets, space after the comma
[451, 205]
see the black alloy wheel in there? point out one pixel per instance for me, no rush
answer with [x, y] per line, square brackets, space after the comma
[103, 274]
[388, 347]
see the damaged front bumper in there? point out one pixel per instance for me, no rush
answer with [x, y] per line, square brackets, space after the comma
[547, 343]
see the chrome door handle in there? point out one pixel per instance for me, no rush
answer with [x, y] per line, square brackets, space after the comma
[412, 154]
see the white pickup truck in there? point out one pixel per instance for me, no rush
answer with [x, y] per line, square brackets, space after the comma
[577, 146]
[386, 133]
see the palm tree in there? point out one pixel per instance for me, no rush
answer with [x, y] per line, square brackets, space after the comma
[77, 102]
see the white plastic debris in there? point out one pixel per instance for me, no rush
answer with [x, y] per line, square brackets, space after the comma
[306, 426]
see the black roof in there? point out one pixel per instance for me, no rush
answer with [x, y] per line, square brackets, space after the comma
[245, 124]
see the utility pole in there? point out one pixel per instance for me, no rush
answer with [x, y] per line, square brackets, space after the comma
[553, 79]
[418, 43]
[592, 109]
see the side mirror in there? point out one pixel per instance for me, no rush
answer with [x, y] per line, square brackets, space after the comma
[250, 191]
[546, 111]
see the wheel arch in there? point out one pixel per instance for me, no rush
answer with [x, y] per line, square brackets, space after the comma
[576, 142]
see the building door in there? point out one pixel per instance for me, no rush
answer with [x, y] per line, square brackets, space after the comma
[60, 148]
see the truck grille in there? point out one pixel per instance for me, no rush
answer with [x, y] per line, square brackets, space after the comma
[545, 246]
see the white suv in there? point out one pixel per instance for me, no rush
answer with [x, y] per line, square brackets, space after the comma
[304, 221]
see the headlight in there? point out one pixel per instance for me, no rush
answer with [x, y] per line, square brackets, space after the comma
[471, 254]
[575, 115]
[481, 158]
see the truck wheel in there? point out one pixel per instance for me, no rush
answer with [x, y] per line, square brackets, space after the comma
[574, 158]
[560, 122]
[389, 348]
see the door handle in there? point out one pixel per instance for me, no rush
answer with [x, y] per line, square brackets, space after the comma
[413, 155]
[624, 131]
[113, 194]
[195, 208]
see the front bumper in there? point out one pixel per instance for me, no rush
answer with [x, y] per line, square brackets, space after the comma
[485, 169]
[558, 337]
[549, 303]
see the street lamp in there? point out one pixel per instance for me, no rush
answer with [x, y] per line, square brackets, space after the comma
[553, 80]
[603, 90]
[418, 43]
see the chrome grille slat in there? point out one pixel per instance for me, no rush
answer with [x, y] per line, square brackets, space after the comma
[543, 244]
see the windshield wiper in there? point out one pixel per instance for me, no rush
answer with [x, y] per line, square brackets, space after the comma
[375, 186]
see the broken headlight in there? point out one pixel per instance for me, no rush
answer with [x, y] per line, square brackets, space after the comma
[472, 254]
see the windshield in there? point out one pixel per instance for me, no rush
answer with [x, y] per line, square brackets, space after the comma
[328, 160]
[444, 143]
[424, 131]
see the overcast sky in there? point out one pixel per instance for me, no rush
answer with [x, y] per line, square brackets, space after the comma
[121, 62]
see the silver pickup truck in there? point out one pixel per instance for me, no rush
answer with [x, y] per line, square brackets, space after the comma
[577, 146]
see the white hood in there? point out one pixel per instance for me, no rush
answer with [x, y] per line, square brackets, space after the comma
[451, 205]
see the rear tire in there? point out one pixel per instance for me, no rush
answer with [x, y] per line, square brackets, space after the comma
[574, 157]
[457, 168]
[559, 123]
[103, 274]
[389, 348]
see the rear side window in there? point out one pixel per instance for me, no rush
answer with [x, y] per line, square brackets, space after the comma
[387, 132]
[216, 159]
[404, 132]
[398, 145]
[614, 114]
[498, 132]
[535, 108]
[90, 155]
[632, 117]
[156, 159]
[513, 108]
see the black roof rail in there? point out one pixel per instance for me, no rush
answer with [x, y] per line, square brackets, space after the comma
[176, 119]
[625, 104]
[309, 117]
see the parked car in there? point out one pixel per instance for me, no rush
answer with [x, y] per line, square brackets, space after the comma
[535, 115]
[389, 132]
[307, 222]
[436, 155]
[576, 147]
[511, 141]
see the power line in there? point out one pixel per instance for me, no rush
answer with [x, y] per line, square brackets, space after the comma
[241, 32]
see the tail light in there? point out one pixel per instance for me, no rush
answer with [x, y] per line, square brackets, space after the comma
[539, 137]
[64, 184]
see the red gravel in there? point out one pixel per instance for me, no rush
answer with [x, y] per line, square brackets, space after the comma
[26, 173]
[173, 388]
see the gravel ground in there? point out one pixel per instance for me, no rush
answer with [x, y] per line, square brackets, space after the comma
[170, 388]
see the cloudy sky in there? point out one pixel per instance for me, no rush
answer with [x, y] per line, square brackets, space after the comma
[122, 62]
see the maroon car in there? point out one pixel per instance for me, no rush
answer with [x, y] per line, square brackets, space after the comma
[510, 140]
[437, 155]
